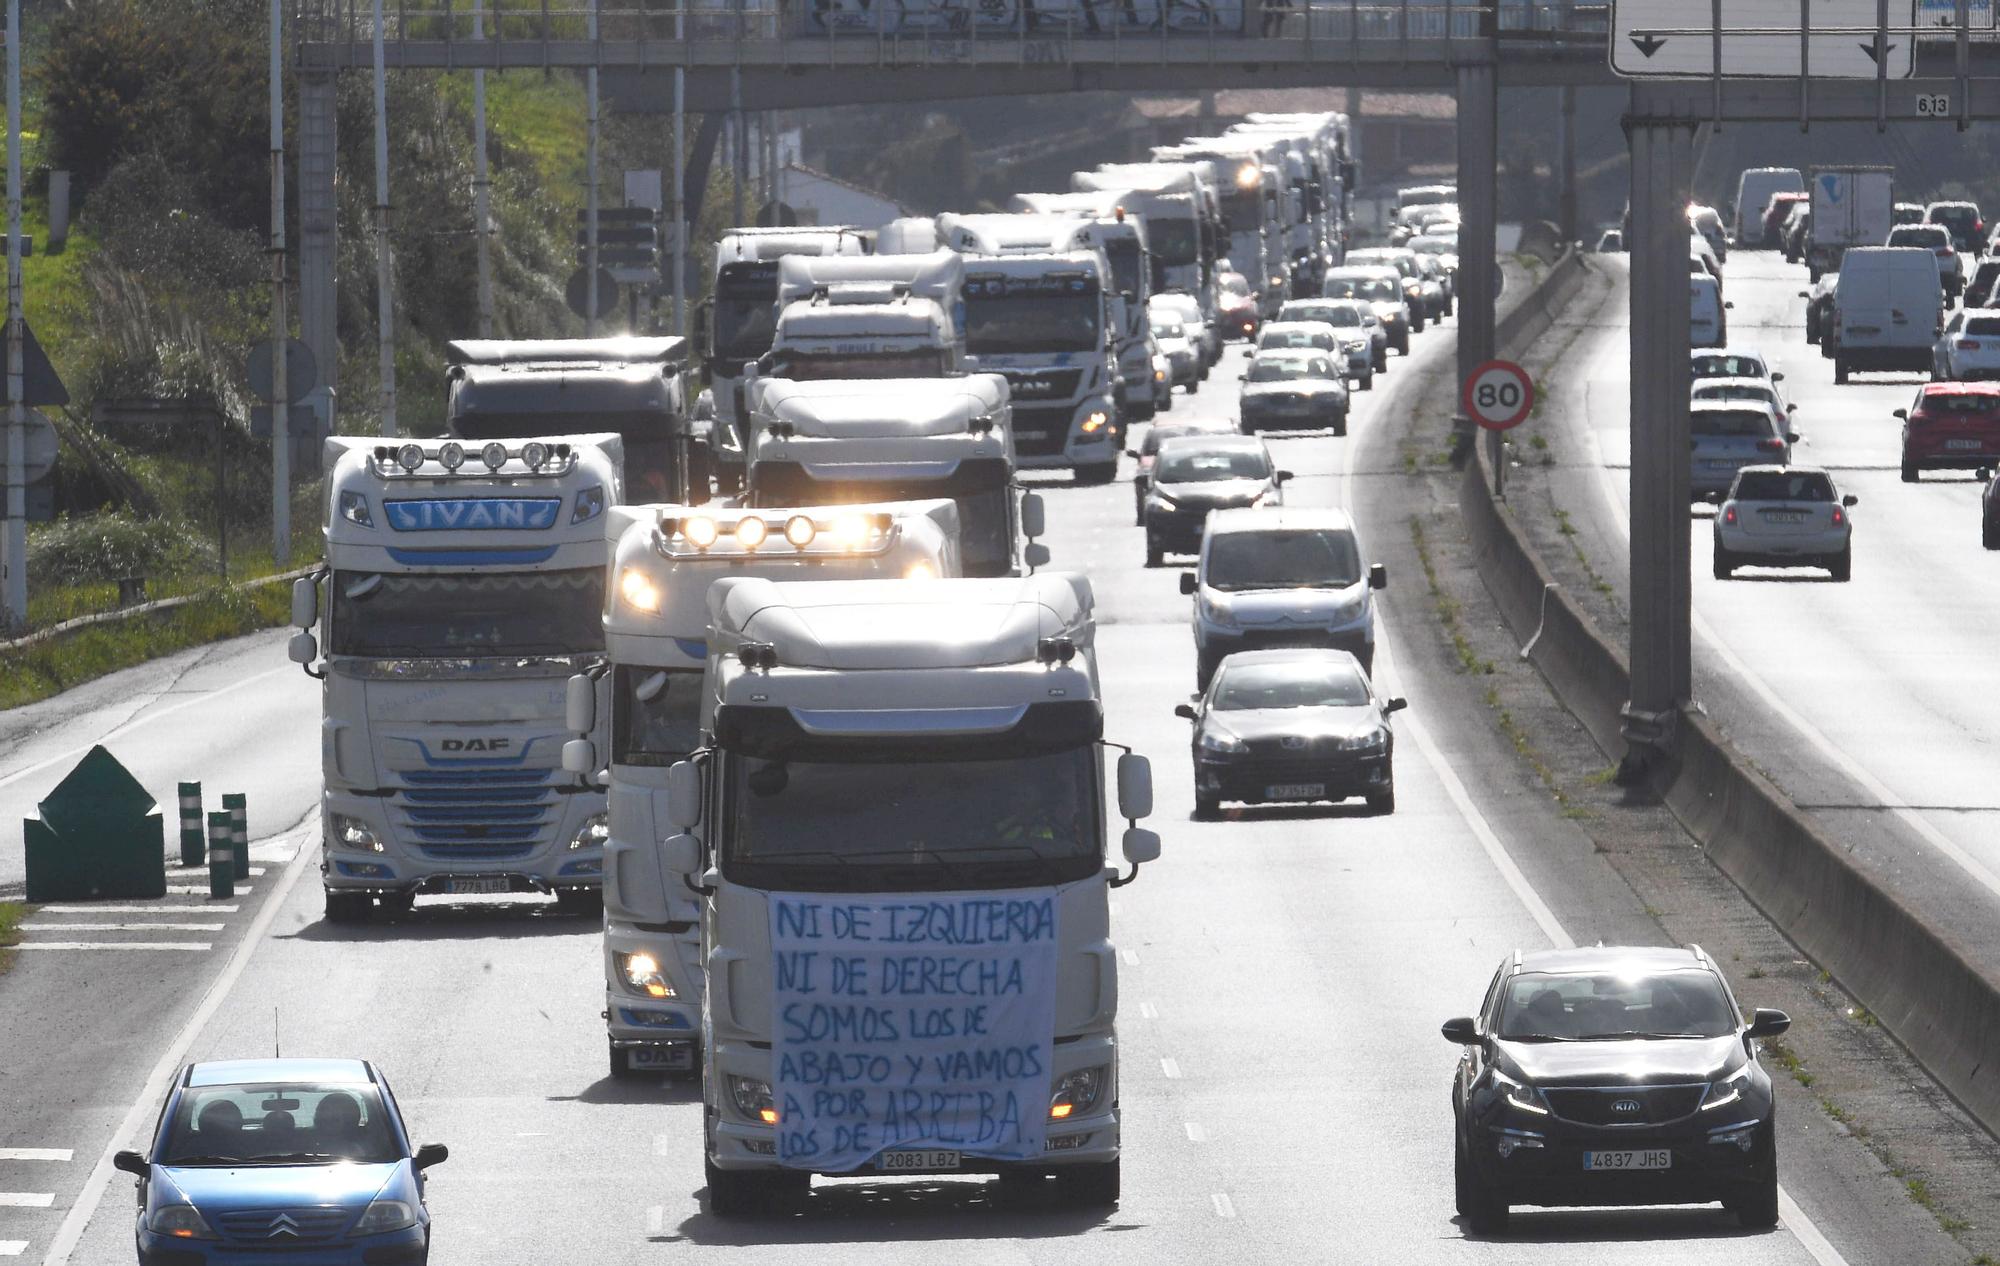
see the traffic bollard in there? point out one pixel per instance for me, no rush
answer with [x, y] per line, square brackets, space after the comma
[221, 867]
[238, 808]
[191, 851]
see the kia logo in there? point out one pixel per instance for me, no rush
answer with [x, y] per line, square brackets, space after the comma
[1625, 1105]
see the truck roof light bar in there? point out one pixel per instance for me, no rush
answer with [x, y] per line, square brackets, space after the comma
[757, 655]
[449, 457]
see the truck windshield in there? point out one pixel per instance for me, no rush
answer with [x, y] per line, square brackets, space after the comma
[746, 296]
[1124, 255]
[913, 825]
[1172, 240]
[655, 715]
[450, 615]
[802, 366]
[1244, 209]
[1004, 315]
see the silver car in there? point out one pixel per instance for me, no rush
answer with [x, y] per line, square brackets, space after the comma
[1362, 339]
[1969, 348]
[1784, 516]
[1728, 435]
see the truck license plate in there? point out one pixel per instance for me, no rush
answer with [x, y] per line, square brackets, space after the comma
[916, 1161]
[480, 885]
[664, 1058]
[1651, 1158]
[1295, 791]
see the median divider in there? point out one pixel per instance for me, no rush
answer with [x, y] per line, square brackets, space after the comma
[1918, 980]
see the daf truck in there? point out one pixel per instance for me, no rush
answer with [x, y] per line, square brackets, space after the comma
[463, 587]
[853, 441]
[664, 560]
[898, 832]
[735, 324]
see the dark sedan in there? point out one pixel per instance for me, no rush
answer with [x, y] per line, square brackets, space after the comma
[1292, 726]
[1199, 473]
[1293, 388]
[1148, 452]
[1612, 1076]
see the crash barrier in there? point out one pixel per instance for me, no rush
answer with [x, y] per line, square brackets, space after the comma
[97, 836]
[1918, 980]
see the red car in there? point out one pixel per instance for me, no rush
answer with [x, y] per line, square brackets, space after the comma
[1775, 211]
[1952, 426]
[1239, 306]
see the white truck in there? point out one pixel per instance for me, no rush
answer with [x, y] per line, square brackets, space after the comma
[1851, 206]
[463, 586]
[1184, 233]
[735, 324]
[1124, 240]
[649, 694]
[899, 836]
[1255, 209]
[850, 441]
[869, 316]
[1321, 140]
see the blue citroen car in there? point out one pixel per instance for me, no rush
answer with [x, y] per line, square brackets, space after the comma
[301, 1161]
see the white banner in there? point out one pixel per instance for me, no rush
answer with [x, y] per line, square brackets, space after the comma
[916, 1021]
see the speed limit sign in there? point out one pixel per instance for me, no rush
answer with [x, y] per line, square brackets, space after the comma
[1498, 395]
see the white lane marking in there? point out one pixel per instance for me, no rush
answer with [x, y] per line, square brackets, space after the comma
[146, 1105]
[1131, 957]
[1170, 1067]
[39, 926]
[186, 872]
[1812, 734]
[148, 719]
[1802, 1227]
[663, 1145]
[201, 890]
[13, 1248]
[1147, 1011]
[1195, 1133]
[161, 908]
[1223, 1207]
[34, 1153]
[192, 947]
[27, 1199]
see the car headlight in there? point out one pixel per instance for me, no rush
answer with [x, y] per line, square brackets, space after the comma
[353, 833]
[596, 829]
[1076, 1095]
[641, 973]
[1216, 611]
[1366, 741]
[182, 1221]
[1519, 1094]
[385, 1215]
[1727, 1091]
[753, 1099]
[1221, 742]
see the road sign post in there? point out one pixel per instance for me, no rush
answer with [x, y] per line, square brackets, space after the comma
[1497, 395]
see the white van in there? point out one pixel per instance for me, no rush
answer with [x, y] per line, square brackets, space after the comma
[1708, 326]
[1887, 310]
[1753, 193]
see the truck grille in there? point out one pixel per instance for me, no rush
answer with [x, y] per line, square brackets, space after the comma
[476, 814]
[1041, 432]
[1048, 384]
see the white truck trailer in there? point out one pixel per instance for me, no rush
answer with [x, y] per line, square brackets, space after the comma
[1851, 206]
[910, 439]
[649, 694]
[899, 837]
[1248, 175]
[1123, 239]
[463, 588]
[868, 316]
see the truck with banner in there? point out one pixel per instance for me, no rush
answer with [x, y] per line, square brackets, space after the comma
[898, 833]
[462, 589]
[649, 693]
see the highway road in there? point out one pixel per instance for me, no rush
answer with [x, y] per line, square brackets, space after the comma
[1284, 974]
[1868, 702]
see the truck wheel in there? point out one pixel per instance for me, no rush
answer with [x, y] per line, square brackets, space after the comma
[1089, 1186]
[1842, 564]
[1194, 385]
[1989, 534]
[580, 901]
[1839, 369]
[348, 907]
[738, 1193]
[1910, 473]
[1093, 475]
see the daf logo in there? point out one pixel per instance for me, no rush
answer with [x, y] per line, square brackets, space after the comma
[1293, 742]
[282, 1225]
[478, 745]
[1625, 1106]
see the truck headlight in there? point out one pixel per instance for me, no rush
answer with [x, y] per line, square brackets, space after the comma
[354, 508]
[1096, 422]
[641, 974]
[353, 833]
[595, 830]
[385, 1215]
[753, 1099]
[182, 1221]
[638, 590]
[589, 504]
[1076, 1095]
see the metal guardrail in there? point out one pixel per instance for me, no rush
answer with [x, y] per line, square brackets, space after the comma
[901, 32]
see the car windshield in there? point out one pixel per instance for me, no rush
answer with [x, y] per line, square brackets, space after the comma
[1788, 485]
[1171, 241]
[1158, 435]
[1931, 236]
[1207, 465]
[1610, 1006]
[1304, 684]
[1235, 286]
[801, 365]
[1433, 245]
[1325, 313]
[1376, 288]
[396, 615]
[1289, 368]
[279, 1124]
[1295, 558]
[1731, 423]
[1717, 365]
[1295, 338]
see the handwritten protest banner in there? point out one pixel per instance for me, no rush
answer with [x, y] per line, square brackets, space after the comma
[912, 1022]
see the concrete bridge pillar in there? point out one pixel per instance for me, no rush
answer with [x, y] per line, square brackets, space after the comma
[318, 244]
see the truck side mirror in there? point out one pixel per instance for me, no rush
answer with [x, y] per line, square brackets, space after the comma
[681, 854]
[1135, 786]
[684, 795]
[1378, 576]
[1035, 554]
[580, 705]
[303, 648]
[305, 602]
[579, 756]
[1141, 846]
[1187, 582]
[1034, 515]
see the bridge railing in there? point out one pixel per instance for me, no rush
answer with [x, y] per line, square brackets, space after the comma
[458, 32]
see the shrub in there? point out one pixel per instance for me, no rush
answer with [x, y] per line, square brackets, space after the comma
[97, 548]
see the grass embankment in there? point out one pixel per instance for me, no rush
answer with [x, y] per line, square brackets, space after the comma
[11, 915]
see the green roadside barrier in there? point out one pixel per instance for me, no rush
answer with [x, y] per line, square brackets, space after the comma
[191, 841]
[221, 862]
[98, 837]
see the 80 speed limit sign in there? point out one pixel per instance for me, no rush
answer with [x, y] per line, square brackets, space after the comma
[1498, 395]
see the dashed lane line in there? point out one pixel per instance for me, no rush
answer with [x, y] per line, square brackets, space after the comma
[1224, 1207]
[201, 890]
[27, 1199]
[34, 1153]
[192, 947]
[165, 908]
[39, 926]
